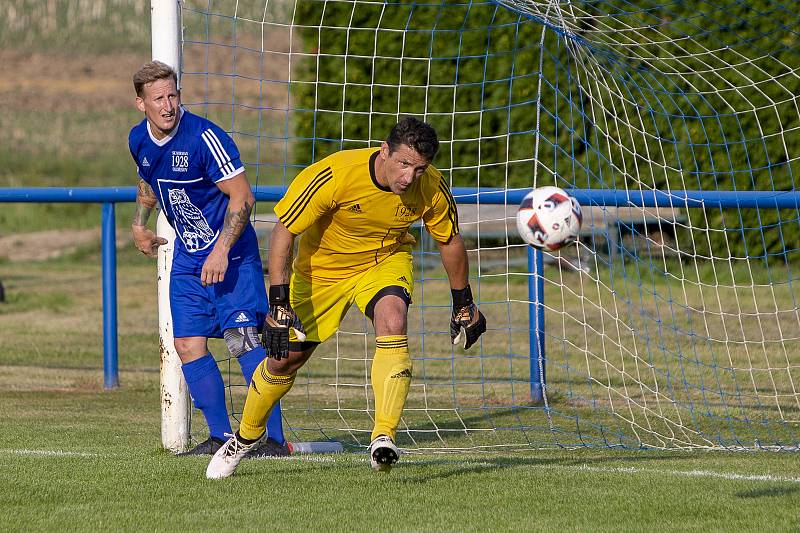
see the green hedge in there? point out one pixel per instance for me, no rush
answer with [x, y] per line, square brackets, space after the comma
[473, 70]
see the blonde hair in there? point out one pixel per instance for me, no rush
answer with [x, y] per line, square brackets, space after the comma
[150, 72]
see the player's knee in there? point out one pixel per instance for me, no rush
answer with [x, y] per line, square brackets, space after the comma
[180, 347]
[392, 324]
[388, 310]
[241, 340]
[190, 348]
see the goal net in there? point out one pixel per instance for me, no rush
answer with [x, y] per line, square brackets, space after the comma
[672, 323]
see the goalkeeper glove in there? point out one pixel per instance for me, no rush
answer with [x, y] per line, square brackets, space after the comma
[467, 322]
[280, 318]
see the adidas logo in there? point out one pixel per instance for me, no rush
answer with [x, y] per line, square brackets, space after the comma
[404, 374]
[403, 279]
[355, 208]
[145, 162]
[241, 318]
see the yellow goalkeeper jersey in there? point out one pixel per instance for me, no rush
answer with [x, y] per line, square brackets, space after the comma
[349, 222]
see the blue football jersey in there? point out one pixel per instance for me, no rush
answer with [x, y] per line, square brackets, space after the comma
[183, 170]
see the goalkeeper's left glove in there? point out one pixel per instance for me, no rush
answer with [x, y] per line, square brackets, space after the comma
[467, 322]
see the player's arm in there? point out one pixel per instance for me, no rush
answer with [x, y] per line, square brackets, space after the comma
[281, 316]
[281, 246]
[467, 322]
[455, 262]
[240, 205]
[308, 197]
[145, 240]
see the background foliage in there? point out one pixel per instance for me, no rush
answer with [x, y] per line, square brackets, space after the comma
[714, 111]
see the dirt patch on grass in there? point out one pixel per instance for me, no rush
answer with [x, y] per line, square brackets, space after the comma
[51, 244]
[64, 82]
[60, 81]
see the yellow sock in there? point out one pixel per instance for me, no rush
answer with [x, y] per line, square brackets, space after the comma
[391, 379]
[265, 391]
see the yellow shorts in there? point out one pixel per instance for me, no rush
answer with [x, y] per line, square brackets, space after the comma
[321, 308]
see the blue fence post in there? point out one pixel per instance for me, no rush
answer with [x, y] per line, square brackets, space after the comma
[109, 253]
[536, 323]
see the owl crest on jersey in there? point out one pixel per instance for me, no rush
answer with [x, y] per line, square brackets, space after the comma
[190, 223]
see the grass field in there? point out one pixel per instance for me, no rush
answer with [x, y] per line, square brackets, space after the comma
[78, 458]
[98, 465]
[82, 458]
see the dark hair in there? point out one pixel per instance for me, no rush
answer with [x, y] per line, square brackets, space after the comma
[417, 135]
[150, 72]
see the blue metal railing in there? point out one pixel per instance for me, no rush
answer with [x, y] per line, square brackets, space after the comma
[109, 196]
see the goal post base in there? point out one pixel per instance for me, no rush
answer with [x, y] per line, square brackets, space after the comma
[306, 448]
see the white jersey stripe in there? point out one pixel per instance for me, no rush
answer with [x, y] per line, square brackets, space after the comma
[222, 157]
[212, 148]
[228, 168]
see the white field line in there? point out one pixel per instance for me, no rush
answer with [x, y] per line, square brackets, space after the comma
[300, 458]
[731, 476]
[52, 453]
[60, 453]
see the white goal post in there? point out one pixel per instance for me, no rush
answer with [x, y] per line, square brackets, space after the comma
[175, 400]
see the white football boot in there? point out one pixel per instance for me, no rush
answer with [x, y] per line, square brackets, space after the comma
[383, 454]
[227, 458]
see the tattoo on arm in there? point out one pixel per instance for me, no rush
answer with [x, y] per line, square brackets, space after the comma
[145, 202]
[235, 222]
[287, 267]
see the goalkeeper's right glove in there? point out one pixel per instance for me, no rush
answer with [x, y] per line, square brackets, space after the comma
[280, 318]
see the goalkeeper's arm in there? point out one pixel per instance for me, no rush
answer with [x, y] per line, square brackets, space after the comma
[281, 316]
[281, 245]
[467, 322]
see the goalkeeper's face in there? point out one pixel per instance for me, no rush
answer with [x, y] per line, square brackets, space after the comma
[401, 168]
[160, 102]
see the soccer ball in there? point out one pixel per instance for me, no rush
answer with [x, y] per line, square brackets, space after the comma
[548, 218]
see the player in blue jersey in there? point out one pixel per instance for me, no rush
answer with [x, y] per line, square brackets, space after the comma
[191, 168]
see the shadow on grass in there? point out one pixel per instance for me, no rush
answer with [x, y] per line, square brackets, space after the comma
[459, 467]
[766, 492]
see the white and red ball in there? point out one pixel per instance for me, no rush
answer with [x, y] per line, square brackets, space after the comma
[548, 218]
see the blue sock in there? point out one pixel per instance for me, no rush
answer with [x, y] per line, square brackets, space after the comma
[249, 361]
[208, 393]
[275, 425]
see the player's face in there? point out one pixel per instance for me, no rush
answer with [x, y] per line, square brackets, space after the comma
[159, 102]
[401, 168]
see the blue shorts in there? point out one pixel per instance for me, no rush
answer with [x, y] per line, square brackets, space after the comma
[197, 311]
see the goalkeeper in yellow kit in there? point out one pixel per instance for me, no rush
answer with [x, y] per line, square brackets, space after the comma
[353, 210]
